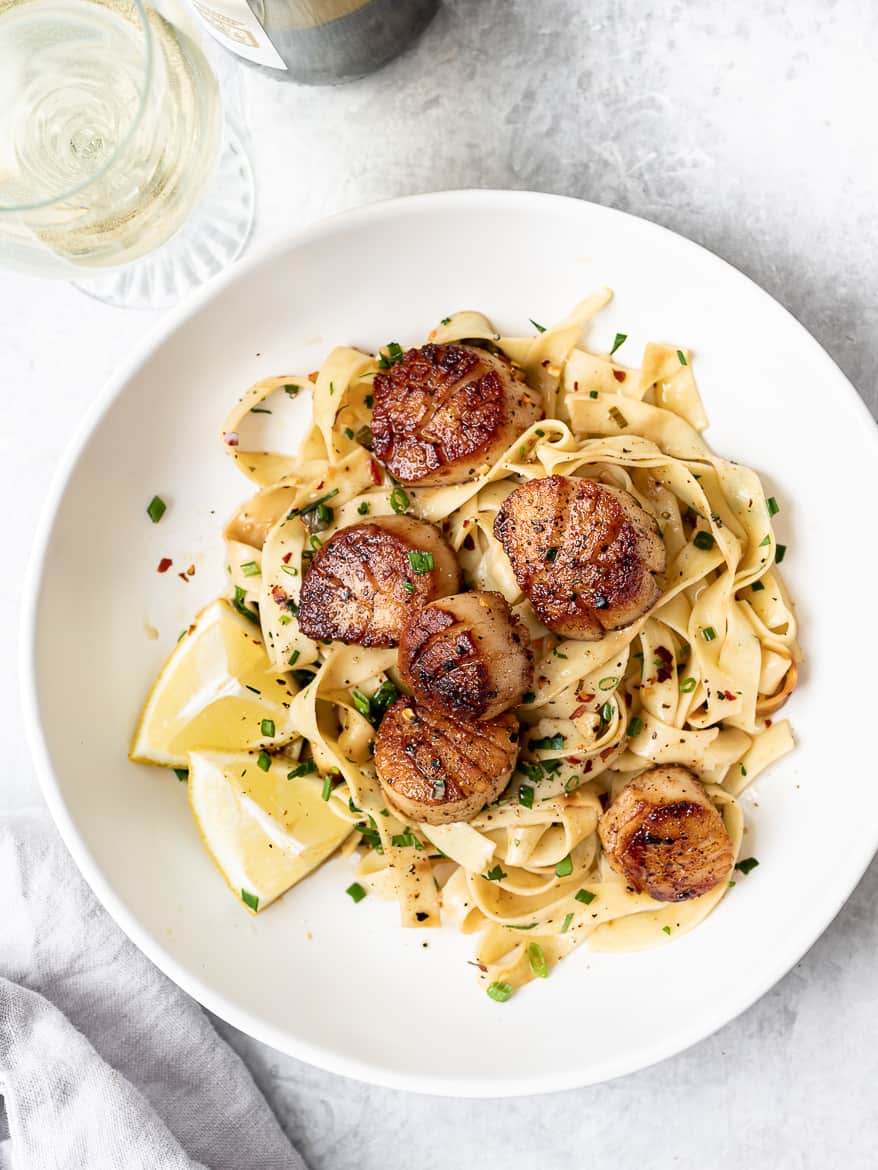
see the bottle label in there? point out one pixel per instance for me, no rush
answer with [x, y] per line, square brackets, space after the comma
[234, 25]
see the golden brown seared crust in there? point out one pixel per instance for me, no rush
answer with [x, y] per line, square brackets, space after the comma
[355, 590]
[468, 656]
[438, 769]
[582, 552]
[665, 837]
[443, 411]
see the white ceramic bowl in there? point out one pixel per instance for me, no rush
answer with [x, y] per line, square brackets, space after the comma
[338, 984]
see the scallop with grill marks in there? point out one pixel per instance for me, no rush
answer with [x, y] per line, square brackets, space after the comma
[665, 837]
[442, 412]
[467, 656]
[436, 769]
[585, 554]
[365, 580]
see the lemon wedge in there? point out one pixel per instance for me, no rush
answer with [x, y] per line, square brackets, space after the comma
[217, 690]
[264, 831]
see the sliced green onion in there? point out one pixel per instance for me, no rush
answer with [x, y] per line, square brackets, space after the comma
[420, 561]
[529, 926]
[688, 685]
[394, 354]
[264, 761]
[620, 339]
[757, 586]
[592, 393]
[666, 929]
[772, 505]
[540, 433]
[156, 508]
[499, 992]
[327, 786]
[356, 891]
[250, 900]
[250, 569]
[585, 896]
[294, 657]
[618, 417]
[564, 868]
[181, 773]
[313, 505]
[747, 865]
[780, 551]
[681, 358]
[607, 712]
[363, 508]
[291, 389]
[568, 918]
[399, 501]
[766, 540]
[267, 727]
[635, 726]
[302, 770]
[609, 683]
[361, 703]
[708, 633]
[384, 697]
[445, 321]
[537, 960]
[703, 540]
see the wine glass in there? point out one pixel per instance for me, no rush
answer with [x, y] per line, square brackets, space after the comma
[116, 168]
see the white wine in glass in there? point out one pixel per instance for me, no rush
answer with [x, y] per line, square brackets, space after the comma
[111, 130]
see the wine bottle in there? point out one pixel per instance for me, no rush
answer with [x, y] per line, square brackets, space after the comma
[317, 42]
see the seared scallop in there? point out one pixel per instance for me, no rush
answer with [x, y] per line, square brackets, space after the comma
[366, 579]
[443, 412]
[437, 769]
[467, 656]
[665, 837]
[582, 552]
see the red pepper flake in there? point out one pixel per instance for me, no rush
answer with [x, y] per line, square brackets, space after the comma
[587, 766]
[666, 661]
[575, 385]
[608, 751]
[768, 723]
[230, 438]
[586, 698]
[183, 577]
[164, 564]
[375, 469]
[572, 759]
[581, 710]
[468, 541]
[190, 572]
[314, 375]
[619, 375]
[320, 485]
[481, 966]
[730, 695]
[286, 558]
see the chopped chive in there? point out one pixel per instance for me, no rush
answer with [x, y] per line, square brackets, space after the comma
[250, 569]
[181, 773]
[363, 508]
[315, 543]
[780, 551]
[743, 770]
[348, 433]
[445, 321]
[688, 685]
[568, 918]
[708, 633]
[325, 513]
[585, 896]
[620, 339]
[356, 891]
[540, 433]
[394, 354]
[241, 606]
[405, 840]
[539, 328]
[681, 358]
[361, 703]
[263, 761]
[703, 540]
[618, 417]
[294, 657]
[564, 868]
[327, 786]
[499, 992]
[497, 874]
[592, 393]
[772, 505]
[609, 683]
[537, 960]
[528, 697]
[408, 586]
[369, 401]
[766, 540]
[384, 697]
[421, 562]
[267, 727]
[635, 726]
[747, 865]
[529, 926]
[250, 900]
[156, 508]
[757, 586]
[331, 388]
[551, 555]
[666, 929]
[255, 690]
[259, 410]
[304, 769]
[526, 795]
[313, 505]
[399, 501]
[291, 389]
[607, 712]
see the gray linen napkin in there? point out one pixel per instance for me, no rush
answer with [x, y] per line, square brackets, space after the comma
[104, 1063]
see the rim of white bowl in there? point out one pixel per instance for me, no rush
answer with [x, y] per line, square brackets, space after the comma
[796, 943]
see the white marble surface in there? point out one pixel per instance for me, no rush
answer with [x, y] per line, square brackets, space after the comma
[748, 127]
